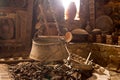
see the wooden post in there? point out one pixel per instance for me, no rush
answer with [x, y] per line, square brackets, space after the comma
[92, 13]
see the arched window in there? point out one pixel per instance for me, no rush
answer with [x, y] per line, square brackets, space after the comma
[68, 4]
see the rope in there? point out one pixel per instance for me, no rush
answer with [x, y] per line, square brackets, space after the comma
[54, 16]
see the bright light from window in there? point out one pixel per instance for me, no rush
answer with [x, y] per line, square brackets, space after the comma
[66, 4]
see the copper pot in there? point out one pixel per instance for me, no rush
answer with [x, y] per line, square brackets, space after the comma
[48, 49]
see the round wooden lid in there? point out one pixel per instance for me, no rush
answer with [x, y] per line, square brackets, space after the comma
[104, 23]
[80, 32]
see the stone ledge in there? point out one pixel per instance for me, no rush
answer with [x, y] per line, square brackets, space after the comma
[100, 52]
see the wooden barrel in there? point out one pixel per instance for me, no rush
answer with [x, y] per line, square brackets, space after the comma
[108, 39]
[79, 35]
[94, 33]
[98, 38]
[118, 40]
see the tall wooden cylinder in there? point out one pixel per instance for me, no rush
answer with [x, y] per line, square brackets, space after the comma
[84, 12]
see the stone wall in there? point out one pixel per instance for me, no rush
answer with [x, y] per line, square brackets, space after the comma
[102, 54]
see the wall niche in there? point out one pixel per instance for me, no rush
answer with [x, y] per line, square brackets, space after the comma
[15, 25]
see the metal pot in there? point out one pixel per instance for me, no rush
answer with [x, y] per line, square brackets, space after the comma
[48, 49]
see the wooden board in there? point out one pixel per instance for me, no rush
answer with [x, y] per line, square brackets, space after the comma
[4, 72]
